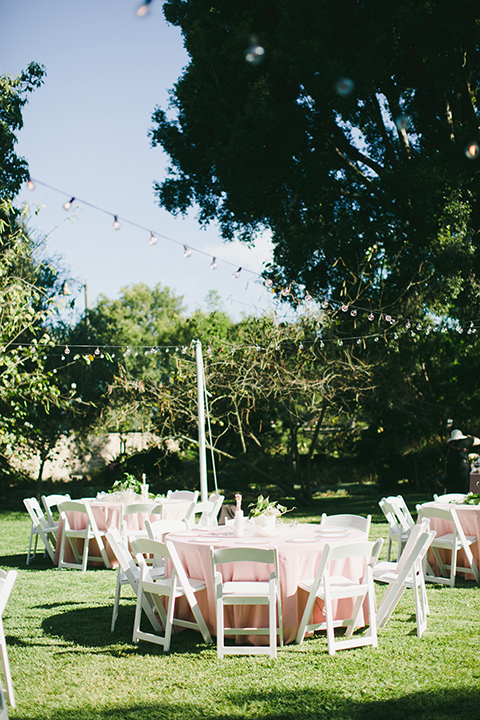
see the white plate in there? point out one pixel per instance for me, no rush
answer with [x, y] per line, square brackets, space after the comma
[333, 532]
[303, 539]
[250, 541]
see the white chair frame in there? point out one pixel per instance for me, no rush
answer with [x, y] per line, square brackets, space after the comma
[52, 501]
[329, 588]
[248, 592]
[40, 528]
[128, 573]
[191, 495]
[154, 588]
[7, 581]
[90, 532]
[453, 541]
[406, 573]
[208, 511]
[348, 521]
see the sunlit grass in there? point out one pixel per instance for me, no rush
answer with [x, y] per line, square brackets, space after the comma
[67, 664]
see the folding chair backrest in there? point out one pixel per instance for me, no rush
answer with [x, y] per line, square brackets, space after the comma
[36, 513]
[265, 556]
[444, 513]
[419, 529]
[157, 529]
[50, 502]
[449, 497]
[120, 549]
[402, 512]
[183, 495]
[389, 512]
[7, 581]
[348, 521]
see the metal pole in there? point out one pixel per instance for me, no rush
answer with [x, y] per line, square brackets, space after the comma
[201, 422]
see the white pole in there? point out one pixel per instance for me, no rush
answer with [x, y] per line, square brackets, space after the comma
[201, 422]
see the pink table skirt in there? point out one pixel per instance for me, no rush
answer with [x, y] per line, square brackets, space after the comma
[469, 517]
[298, 557]
[109, 514]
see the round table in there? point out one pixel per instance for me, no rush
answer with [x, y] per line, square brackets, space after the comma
[108, 514]
[299, 547]
[469, 518]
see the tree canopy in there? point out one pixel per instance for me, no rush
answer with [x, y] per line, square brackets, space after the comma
[350, 129]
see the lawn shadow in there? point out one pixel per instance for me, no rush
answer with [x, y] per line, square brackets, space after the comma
[320, 704]
[89, 627]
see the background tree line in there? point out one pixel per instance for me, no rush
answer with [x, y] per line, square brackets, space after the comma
[351, 134]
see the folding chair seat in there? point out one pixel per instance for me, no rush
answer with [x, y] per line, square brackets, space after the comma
[88, 533]
[128, 573]
[156, 588]
[452, 541]
[336, 587]
[247, 592]
[7, 580]
[406, 573]
[40, 528]
[50, 502]
[208, 511]
[191, 495]
[348, 521]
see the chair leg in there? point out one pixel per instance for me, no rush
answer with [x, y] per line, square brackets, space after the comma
[220, 629]
[116, 601]
[6, 667]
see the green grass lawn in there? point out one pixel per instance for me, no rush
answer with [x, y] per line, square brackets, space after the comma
[67, 664]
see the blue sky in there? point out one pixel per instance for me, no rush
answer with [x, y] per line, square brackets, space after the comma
[85, 133]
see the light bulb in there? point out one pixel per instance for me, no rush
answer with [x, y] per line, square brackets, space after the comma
[68, 204]
[143, 9]
[237, 273]
[186, 252]
[213, 266]
[30, 184]
[153, 238]
[116, 224]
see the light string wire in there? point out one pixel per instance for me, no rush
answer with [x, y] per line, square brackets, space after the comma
[326, 303]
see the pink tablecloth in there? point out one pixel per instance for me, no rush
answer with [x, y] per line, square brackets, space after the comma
[109, 514]
[299, 552]
[469, 517]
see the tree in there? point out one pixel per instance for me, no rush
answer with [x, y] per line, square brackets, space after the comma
[349, 129]
[272, 388]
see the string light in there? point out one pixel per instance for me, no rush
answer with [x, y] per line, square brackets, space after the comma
[214, 264]
[186, 252]
[68, 204]
[30, 184]
[116, 224]
[144, 8]
[236, 274]
[153, 238]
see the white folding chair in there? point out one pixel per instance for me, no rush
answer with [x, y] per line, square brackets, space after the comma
[406, 573]
[50, 502]
[156, 588]
[40, 528]
[396, 533]
[452, 541]
[449, 497]
[7, 580]
[128, 573]
[191, 495]
[247, 592]
[336, 587]
[348, 521]
[88, 533]
[157, 529]
[139, 508]
[207, 510]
